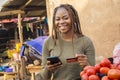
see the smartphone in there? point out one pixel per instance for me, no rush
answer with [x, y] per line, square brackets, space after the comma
[54, 59]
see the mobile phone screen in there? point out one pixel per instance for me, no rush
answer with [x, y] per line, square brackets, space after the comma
[53, 60]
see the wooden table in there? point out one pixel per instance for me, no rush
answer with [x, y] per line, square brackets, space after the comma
[33, 69]
[8, 75]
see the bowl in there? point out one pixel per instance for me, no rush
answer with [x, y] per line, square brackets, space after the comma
[9, 70]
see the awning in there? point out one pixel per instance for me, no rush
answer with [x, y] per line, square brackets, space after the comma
[29, 8]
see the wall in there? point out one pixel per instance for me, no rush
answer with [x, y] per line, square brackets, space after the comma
[100, 20]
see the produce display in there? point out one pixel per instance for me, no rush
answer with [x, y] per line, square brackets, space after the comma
[104, 70]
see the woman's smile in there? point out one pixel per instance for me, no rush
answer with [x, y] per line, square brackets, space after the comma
[63, 27]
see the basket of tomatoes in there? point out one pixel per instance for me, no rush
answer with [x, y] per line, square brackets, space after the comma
[105, 70]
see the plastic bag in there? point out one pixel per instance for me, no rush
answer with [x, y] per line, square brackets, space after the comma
[116, 54]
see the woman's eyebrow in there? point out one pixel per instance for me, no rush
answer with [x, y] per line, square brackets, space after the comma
[65, 16]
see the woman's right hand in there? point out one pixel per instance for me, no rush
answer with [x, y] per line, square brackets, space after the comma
[53, 67]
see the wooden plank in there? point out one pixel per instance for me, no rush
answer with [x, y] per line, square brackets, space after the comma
[34, 8]
[28, 8]
[29, 1]
[11, 12]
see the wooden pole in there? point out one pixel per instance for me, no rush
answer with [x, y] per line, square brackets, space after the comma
[49, 16]
[28, 2]
[20, 29]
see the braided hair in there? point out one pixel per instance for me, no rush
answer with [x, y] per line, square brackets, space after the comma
[74, 19]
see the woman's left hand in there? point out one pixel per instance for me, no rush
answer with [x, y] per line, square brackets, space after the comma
[82, 60]
[53, 67]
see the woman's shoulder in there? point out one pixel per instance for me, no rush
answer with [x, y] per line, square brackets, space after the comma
[49, 39]
[86, 38]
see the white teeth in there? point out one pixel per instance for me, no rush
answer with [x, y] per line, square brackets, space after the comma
[62, 27]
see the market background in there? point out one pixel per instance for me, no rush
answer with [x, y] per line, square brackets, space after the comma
[100, 20]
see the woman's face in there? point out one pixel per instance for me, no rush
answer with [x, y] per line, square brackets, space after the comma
[63, 21]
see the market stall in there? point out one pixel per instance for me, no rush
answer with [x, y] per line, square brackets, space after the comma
[21, 9]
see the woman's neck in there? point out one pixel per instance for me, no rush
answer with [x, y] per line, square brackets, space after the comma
[68, 37]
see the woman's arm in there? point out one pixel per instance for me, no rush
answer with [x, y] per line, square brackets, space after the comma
[46, 75]
[90, 52]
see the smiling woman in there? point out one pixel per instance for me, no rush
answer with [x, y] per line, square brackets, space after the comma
[65, 42]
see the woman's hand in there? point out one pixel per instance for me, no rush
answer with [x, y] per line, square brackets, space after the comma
[53, 67]
[82, 59]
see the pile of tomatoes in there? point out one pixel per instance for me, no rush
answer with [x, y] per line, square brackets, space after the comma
[101, 71]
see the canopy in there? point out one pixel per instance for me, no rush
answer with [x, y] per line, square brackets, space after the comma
[29, 8]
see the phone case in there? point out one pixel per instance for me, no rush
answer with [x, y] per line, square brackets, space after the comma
[54, 59]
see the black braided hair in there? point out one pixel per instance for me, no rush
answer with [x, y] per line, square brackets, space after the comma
[74, 19]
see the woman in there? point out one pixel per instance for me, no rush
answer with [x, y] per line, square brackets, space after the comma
[66, 40]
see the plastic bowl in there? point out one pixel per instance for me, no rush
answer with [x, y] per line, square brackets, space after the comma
[4, 67]
[9, 70]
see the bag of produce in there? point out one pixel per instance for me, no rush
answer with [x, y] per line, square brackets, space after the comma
[116, 54]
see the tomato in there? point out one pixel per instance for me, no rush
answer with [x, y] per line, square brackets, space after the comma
[88, 67]
[90, 71]
[82, 72]
[105, 78]
[112, 66]
[115, 79]
[84, 77]
[114, 74]
[97, 67]
[94, 77]
[104, 70]
[105, 63]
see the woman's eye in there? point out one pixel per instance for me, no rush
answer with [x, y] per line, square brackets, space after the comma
[66, 18]
[57, 19]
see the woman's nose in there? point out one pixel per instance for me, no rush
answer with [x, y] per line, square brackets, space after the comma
[61, 21]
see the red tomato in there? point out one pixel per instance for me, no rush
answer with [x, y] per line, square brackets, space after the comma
[94, 77]
[84, 77]
[114, 74]
[112, 66]
[105, 63]
[82, 72]
[90, 71]
[104, 70]
[97, 67]
[87, 67]
[115, 79]
[105, 78]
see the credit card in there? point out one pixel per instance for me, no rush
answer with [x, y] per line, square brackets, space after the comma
[70, 60]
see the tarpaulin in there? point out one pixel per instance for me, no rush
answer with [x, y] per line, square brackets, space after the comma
[35, 44]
